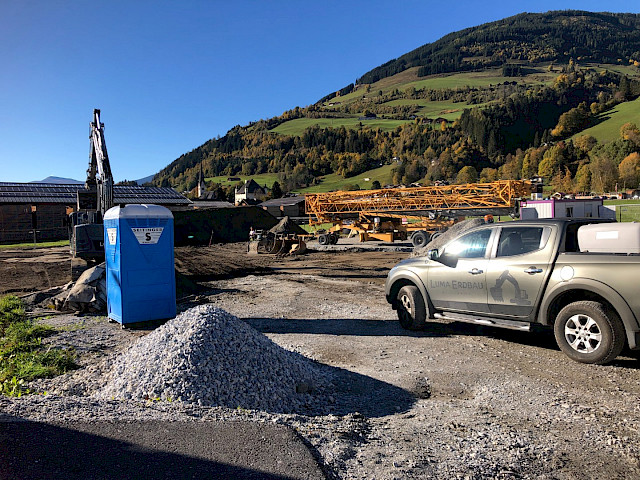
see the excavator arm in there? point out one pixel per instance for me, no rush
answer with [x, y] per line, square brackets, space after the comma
[85, 224]
[99, 177]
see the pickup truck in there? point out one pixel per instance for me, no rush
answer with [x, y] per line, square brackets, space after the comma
[523, 273]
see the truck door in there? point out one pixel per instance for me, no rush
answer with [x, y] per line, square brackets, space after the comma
[457, 280]
[518, 269]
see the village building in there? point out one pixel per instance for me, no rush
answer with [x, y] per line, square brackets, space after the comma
[250, 193]
[34, 212]
[292, 207]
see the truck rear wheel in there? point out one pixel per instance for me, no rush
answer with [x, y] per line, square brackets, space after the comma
[587, 332]
[419, 239]
[412, 313]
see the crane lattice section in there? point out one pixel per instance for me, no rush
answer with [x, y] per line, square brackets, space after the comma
[417, 201]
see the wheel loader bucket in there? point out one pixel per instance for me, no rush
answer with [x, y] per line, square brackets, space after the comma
[273, 247]
[298, 248]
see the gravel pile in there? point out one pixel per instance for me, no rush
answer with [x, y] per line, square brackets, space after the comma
[209, 357]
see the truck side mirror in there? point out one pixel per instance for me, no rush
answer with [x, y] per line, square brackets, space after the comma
[433, 254]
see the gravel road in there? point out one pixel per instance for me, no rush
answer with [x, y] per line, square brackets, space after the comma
[452, 401]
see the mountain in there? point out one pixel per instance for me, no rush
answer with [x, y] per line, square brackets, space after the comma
[60, 180]
[523, 39]
[506, 99]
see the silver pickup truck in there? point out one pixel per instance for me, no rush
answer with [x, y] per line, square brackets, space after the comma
[517, 274]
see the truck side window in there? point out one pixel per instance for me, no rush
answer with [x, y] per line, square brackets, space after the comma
[519, 240]
[473, 245]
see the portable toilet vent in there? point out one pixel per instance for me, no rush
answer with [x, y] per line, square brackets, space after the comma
[141, 283]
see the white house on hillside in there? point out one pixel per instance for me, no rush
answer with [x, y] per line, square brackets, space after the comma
[250, 193]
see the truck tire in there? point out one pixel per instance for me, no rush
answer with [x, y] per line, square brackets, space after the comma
[412, 313]
[419, 239]
[324, 239]
[333, 238]
[587, 332]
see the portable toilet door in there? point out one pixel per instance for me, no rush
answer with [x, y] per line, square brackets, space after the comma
[139, 263]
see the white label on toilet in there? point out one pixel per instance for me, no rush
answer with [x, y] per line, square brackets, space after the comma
[147, 235]
[112, 233]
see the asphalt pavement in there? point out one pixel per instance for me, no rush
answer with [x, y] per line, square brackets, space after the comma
[153, 449]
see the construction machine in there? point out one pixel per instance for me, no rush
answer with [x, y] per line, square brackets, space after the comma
[85, 224]
[283, 239]
[419, 213]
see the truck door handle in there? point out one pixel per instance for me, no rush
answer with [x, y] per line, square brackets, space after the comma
[475, 271]
[533, 270]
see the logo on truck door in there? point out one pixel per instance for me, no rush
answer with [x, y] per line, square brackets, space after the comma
[147, 235]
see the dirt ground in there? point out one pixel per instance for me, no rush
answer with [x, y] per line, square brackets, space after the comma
[452, 401]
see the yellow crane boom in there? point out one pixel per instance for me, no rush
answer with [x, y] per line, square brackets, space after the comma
[417, 201]
[425, 203]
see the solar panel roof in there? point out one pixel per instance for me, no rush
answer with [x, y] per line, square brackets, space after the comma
[66, 194]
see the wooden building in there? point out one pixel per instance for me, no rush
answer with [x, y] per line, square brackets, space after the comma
[292, 207]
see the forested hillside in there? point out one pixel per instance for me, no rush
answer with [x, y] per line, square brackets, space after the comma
[524, 39]
[535, 86]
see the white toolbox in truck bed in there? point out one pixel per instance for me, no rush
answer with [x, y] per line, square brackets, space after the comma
[610, 238]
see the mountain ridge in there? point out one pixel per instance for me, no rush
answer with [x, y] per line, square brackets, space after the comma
[500, 89]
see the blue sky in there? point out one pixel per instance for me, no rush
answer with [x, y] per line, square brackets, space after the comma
[169, 75]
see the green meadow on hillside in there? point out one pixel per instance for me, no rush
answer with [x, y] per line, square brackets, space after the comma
[431, 109]
[299, 125]
[337, 182]
[261, 179]
[609, 129]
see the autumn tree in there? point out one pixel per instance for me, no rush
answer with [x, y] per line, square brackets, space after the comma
[467, 174]
[573, 121]
[585, 143]
[629, 170]
[562, 182]
[630, 131]
[582, 179]
[552, 161]
[604, 173]
[488, 175]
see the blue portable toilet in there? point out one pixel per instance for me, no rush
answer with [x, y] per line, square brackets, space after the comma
[141, 282]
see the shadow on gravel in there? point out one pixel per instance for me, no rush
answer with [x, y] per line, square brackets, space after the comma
[359, 327]
[153, 449]
[356, 393]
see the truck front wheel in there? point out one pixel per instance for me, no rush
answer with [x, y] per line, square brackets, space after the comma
[588, 333]
[411, 310]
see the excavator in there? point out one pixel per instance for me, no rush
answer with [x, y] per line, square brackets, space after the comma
[86, 235]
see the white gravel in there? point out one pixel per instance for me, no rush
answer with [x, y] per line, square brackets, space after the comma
[208, 357]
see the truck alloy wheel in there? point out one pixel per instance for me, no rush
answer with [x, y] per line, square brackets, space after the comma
[588, 333]
[411, 310]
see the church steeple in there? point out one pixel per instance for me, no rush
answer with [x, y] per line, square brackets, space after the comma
[201, 185]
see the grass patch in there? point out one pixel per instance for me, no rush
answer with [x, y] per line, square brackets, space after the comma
[299, 125]
[58, 243]
[23, 357]
[609, 129]
[334, 181]
[261, 179]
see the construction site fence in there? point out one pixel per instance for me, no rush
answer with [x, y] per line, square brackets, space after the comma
[36, 236]
[628, 213]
